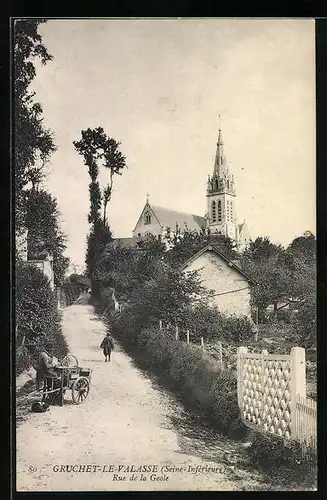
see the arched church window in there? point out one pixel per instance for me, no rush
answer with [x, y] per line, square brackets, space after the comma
[213, 211]
[216, 184]
[228, 184]
[147, 218]
[219, 211]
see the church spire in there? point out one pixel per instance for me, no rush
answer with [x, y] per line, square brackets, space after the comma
[220, 161]
[221, 180]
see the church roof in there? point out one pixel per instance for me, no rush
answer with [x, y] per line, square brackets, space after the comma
[167, 217]
[125, 242]
[230, 262]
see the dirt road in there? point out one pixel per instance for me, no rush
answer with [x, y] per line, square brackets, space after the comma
[127, 420]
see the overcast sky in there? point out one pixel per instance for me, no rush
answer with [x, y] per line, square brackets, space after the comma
[158, 86]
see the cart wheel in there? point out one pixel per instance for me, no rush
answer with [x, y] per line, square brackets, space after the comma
[70, 361]
[80, 390]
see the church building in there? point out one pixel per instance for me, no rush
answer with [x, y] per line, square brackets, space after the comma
[220, 217]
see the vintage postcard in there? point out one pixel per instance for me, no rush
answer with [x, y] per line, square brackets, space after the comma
[165, 249]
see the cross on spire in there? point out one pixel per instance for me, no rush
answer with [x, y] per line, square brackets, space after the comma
[220, 139]
[147, 197]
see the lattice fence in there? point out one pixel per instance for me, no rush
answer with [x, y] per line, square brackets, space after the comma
[272, 394]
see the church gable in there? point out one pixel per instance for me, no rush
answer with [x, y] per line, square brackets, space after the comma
[147, 223]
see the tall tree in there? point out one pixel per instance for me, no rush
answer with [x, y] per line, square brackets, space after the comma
[44, 234]
[33, 142]
[97, 148]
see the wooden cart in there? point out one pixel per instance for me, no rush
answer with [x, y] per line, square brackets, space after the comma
[71, 377]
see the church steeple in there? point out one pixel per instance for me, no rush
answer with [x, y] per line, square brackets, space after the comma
[220, 160]
[221, 194]
[222, 181]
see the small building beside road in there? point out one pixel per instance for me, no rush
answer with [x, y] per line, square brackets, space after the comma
[230, 284]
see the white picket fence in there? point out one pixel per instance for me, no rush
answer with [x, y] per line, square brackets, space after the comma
[305, 425]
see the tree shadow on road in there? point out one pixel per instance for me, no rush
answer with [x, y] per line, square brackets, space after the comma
[195, 437]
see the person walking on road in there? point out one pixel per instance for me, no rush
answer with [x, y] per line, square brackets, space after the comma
[107, 346]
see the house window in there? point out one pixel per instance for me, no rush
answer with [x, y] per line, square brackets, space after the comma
[147, 218]
[213, 211]
[219, 211]
[139, 234]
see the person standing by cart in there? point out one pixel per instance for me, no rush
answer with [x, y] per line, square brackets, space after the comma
[107, 346]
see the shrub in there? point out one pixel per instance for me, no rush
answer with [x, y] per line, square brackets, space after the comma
[283, 462]
[71, 291]
[209, 323]
[305, 324]
[285, 315]
[201, 320]
[236, 328]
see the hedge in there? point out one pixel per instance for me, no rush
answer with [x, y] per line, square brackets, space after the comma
[71, 291]
[37, 320]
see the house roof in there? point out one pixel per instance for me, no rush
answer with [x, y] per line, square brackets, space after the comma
[167, 217]
[231, 263]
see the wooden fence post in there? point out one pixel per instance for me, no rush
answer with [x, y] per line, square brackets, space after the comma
[220, 352]
[241, 351]
[298, 383]
[176, 332]
[188, 337]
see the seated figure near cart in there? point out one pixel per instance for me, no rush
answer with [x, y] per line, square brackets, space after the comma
[45, 368]
[58, 376]
[47, 373]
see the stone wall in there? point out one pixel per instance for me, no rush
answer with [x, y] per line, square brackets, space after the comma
[232, 290]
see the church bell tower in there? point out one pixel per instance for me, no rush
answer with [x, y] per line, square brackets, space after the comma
[221, 212]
